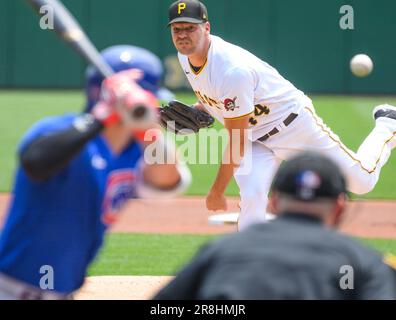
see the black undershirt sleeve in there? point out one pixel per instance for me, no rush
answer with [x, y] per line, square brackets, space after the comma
[47, 155]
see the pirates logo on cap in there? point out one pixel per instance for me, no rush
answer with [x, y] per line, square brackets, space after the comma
[181, 6]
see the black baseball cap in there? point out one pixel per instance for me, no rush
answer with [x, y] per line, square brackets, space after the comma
[309, 176]
[192, 11]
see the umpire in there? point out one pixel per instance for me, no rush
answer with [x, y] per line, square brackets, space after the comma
[297, 256]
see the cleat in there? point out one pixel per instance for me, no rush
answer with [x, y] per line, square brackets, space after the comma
[384, 110]
[387, 111]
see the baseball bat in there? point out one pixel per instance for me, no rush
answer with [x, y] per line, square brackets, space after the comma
[70, 31]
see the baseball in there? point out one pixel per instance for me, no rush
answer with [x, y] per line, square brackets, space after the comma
[361, 65]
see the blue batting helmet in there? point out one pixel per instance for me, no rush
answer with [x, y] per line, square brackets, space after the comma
[124, 57]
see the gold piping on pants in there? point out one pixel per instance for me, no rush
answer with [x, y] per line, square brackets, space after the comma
[344, 148]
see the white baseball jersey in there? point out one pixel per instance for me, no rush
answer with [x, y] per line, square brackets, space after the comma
[234, 83]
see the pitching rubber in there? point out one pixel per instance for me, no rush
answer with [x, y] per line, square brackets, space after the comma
[231, 218]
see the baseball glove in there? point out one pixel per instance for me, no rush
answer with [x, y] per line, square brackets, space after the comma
[181, 118]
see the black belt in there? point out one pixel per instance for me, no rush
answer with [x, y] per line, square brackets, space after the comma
[291, 117]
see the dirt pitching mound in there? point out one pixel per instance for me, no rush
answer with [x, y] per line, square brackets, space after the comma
[121, 287]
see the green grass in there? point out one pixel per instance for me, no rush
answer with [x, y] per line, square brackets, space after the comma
[146, 254]
[18, 111]
[349, 117]
[382, 245]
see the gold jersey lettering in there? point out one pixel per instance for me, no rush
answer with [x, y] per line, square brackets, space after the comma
[203, 98]
[259, 110]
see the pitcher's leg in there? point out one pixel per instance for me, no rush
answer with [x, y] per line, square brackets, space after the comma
[362, 169]
[254, 185]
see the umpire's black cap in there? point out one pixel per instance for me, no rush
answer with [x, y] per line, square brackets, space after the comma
[309, 176]
[192, 11]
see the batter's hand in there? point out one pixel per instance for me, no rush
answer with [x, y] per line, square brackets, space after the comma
[216, 201]
[135, 106]
[105, 113]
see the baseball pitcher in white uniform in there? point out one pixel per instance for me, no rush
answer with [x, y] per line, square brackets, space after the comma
[243, 92]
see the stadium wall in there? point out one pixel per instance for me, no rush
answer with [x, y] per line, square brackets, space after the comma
[302, 39]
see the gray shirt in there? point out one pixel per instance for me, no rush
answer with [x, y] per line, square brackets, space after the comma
[293, 257]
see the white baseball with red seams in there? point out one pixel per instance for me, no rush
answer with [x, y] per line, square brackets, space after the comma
[361, 65]
[234, 83]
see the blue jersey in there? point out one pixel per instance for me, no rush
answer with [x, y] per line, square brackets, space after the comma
[61, 222]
